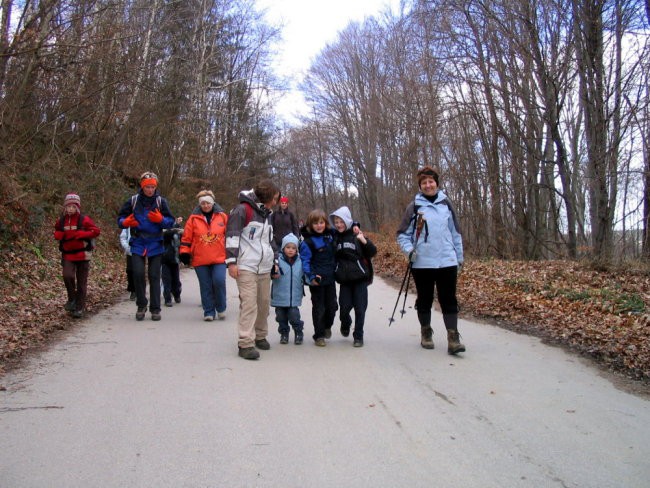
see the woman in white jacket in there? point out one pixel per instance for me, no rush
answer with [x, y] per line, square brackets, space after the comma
[430, 235]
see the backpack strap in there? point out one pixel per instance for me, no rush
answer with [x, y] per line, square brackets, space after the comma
[134, 200]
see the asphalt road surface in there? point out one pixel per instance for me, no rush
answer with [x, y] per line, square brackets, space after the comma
[120, 403]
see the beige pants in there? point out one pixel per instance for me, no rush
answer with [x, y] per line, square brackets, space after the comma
[254, 306]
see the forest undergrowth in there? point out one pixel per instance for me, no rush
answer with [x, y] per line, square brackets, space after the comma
[604, 315]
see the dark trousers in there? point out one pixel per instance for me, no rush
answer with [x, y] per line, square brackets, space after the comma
[153, 273]
[171, 280]
[130, 286]
[427, 280]
[288, 315]
[75, 278]
[353, 296]
[323, 308]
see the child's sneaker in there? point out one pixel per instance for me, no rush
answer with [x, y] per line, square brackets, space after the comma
[298, 340]
[177, 298]
[358, 343]
[328, 333]
[284, 339]
[221, 315]
[320, 342]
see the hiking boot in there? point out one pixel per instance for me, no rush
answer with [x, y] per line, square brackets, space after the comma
[139, 315]
[427, 337]
[77, 314]
[69, 306]
[177, 298]
[248, 353]
[263, 344]
[298, 340]
[132, 296]
[320, 342]
[155, 316]
[221, 316]
[284, 339]
[358, 343]
[328, 333]
[453, 342]
[345, 330]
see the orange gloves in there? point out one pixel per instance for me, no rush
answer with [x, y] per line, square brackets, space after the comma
[130, 221]
[155, 216]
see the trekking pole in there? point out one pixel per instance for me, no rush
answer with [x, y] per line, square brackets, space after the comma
[406, 292]
[419, 224]
[408, 272]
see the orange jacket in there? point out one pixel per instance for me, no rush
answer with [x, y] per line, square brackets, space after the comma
[206, 244]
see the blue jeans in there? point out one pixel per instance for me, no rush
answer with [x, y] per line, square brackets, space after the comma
[212, 283]
[288, 315]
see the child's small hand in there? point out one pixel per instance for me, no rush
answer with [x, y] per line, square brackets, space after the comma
[361, 237]
[315, 281]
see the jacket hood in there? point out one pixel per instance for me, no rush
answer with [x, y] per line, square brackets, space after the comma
[344, 214]
[289, 239]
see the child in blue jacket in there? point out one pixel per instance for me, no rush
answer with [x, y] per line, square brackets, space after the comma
[286, 291]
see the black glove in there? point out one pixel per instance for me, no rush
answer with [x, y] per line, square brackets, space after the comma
[185, 258]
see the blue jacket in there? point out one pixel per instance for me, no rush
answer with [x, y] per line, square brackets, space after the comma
[286, 290]
[317, 254]
[147, 238]
[440, 244]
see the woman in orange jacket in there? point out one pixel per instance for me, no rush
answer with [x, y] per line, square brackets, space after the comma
[204, 245]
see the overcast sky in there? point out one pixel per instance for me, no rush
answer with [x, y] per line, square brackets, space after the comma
[308, 26]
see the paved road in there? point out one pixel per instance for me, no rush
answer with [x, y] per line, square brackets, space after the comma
[120, 403]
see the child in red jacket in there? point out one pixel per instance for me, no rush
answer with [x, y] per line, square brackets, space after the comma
[75, 233]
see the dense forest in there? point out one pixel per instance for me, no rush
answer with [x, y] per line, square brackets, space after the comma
[535, 111]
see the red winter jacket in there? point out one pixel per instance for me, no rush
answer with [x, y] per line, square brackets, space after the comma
[75, 237]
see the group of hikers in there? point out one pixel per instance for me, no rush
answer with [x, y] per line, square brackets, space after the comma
[271, 256]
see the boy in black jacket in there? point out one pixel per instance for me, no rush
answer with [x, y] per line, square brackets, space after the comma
[354, 272]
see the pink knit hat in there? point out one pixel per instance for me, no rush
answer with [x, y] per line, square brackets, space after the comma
[72, 199]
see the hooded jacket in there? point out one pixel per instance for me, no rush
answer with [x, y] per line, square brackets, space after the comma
[206, 243]
[286, 291]
[440, 244]
[147, 237]
[249, 244]
[353, 259]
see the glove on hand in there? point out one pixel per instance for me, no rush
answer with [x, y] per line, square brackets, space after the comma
[460, 268]
[185, 258]
[155, 216]
[130, 221]
[412, 256]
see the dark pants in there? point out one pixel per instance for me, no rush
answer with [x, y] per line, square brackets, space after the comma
[75, 278]
[442, 279]
[171, 280]
[353, 296]
[130, 286]
[323, 308]
[288, 315]
[153, 273]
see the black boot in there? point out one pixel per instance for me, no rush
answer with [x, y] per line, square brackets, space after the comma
[426, 332]
[453, 337]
